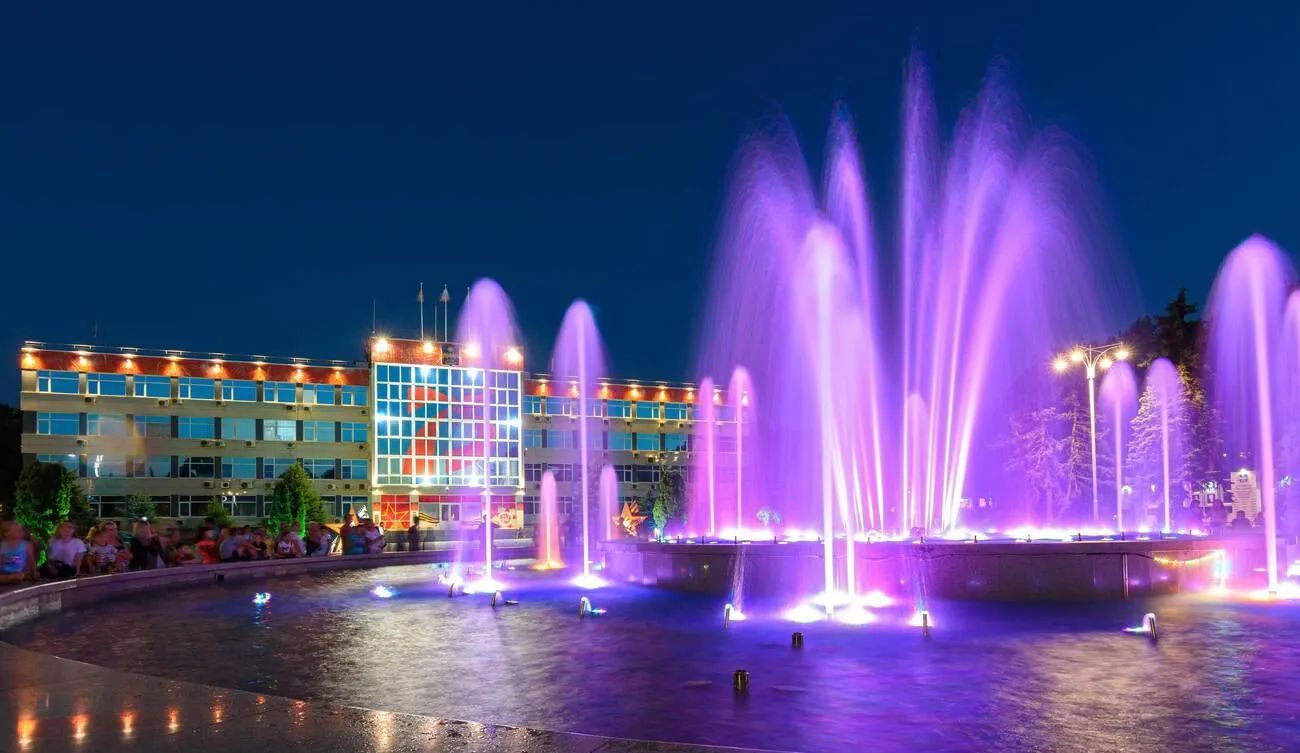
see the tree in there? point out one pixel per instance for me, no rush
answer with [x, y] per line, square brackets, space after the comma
[1076, 459]
[294, 499]
[48, 494]
[218, 512]
[11, 457]
[1036, 453]
[140, 507]
[669, 503]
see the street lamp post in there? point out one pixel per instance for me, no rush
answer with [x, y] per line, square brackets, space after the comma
[1092, 358]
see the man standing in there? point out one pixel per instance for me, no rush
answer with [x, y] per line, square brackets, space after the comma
[413, 535]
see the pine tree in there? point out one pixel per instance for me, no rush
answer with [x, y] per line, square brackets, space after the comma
[294, 500]
[1036, 453]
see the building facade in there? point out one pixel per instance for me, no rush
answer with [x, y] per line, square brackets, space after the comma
[426, 428]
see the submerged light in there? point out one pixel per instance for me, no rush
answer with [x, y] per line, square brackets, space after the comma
[383, 592]
[261, 599]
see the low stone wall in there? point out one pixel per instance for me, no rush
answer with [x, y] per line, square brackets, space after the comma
[29, 602]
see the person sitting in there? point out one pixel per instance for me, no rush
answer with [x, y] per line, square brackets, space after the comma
[123, 556]
[103, 557]
[146, 549]
[17, 555]
[374, 538]
[184, 555]
[233, 548]
[65, 552]
[205, 545]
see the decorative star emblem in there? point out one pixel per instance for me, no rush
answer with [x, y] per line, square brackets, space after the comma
[629, 519]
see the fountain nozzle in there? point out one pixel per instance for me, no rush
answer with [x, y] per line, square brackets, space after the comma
[796, 640]
[740, 681]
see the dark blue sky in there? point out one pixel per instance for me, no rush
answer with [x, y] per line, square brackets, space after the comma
[249, 178]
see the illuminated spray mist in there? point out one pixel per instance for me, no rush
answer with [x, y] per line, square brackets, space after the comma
[1119, 402]
[882, 374]
[580, 362]
[609, 508]
[549, 528]
[1165, 391]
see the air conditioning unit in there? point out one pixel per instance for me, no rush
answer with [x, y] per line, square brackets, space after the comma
[207, 484]
[607, 422]
[221, 443]
[361, 485]
[347, 486]
[163, 403]
[365, 412]
[178, 401]
[243, 484]
[270, 484]
[225, 484]
[221, 402]
[288, 407]
[203, 442]
[250, 443]
[307, 408]
[330, 487]
[361, 446]
[81, 441]
[289, 445]
[90, 399]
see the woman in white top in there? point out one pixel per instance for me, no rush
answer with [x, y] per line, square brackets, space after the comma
[64, 554]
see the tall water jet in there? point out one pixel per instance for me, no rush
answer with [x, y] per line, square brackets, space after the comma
[740, 396]
[579, 360]
[1119, 403]
[704, 457]
[1164, 389]
[992, 271]
[486, 332]
[1247, 306]
[609, 509]
[548, 544]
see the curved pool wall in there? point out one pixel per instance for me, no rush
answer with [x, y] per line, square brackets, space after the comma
[986, 570]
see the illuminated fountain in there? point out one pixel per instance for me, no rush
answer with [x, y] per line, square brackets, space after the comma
[879, 373]
[1119, 405]
[1250, 317]
[703, 512]
[486, 328]
[1163, 397]
[609, 509]
[579, 360]
[548, 533]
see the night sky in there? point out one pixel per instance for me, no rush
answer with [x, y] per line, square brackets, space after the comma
[248, 178]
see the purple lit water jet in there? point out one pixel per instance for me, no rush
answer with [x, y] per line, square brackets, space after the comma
[1247, 306]
[579, 360]
[609, 508]
[548, 545]
[703, 493]
[1164, 389]
[1119, 402]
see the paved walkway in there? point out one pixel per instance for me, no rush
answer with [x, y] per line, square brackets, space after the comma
[51, 704]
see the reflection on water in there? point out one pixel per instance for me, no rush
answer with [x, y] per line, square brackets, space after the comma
[659, 665]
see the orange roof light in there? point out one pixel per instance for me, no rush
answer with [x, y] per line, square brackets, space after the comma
[382, 345]
[662, 396]
[428, 348]
[635, 393]
[604, 390]
[471, 350]
[514, 356]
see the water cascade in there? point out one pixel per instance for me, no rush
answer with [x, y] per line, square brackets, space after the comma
[1165, 390]
[579, 360]
[1119, 403]
[609, 509]
[548, 545]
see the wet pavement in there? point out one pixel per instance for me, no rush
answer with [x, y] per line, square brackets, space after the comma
[52, 704]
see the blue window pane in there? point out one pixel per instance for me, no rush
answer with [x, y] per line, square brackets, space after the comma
[353, 432]
[319, 467]
[241, 468]
[106, 425]
[356, 469]
[241, 390]
[153, 466]
[69, 461]
[196, 467]
[533, 405]
[60, 382]
[106, 384]
[196, 388]
[677, 412]
[195, 427]
[619, 409]
[153, 426]
[674, 442]
[647, 442]
[279, 392]
[318, 431]
[280, 430]
[153, 386]
[353, 395]
[647, 411]
[58, 424]
[276, 467]
[532, 437]
[239, 428]
[620, 440]
[318, 394]
[106, 466]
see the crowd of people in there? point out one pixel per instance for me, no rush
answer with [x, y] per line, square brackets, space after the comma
[153, 545]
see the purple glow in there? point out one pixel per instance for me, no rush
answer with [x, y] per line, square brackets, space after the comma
[549, 525]
[1247, 307]
[1119, 404]
[578, 364]
[1163, 395]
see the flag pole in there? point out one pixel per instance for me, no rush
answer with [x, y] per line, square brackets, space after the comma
[446, 318]
[420, 298]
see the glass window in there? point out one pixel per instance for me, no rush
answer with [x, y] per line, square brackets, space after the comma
[239, 467]
[192, 467]
[352, 504]
[674, 442]
[532, 437]
[106, 466]
[677, 412]
[196, 388]
[620, 440]
[191, 506]
[58, 424]
[196, 427]
[623, 473]
[153, 426]
[279, 392]
[153, 466]
[353, 432]
[280, 429]
[106, 384]
[356, 469]
[68, 460]
[318, 394]
[353, 395]
[153, 386]
[319, 467]
[646, 442]
[724, 413]
[532, 472]
[275, 467]
[60, 382]
[105, 425]
[318, 431]
[561, 406]
[241, 390]
[643, 474]
[239, 428]
[647, 411]
[619, 409]
[562, 471]
[533, 405]
[559, 439]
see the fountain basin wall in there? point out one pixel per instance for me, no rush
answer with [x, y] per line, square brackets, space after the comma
[996, 571]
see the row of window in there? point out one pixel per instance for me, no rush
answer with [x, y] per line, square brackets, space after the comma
[445, 471]
[198, 388]
[240, 505]
[624, 441]
[564, 472]
[200, 427]
[444, 376]
[536, 405]
[186, 466]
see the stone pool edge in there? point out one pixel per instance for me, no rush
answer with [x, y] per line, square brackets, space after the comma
[27, 603]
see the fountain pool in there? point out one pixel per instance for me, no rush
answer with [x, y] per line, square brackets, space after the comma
[659, 665]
